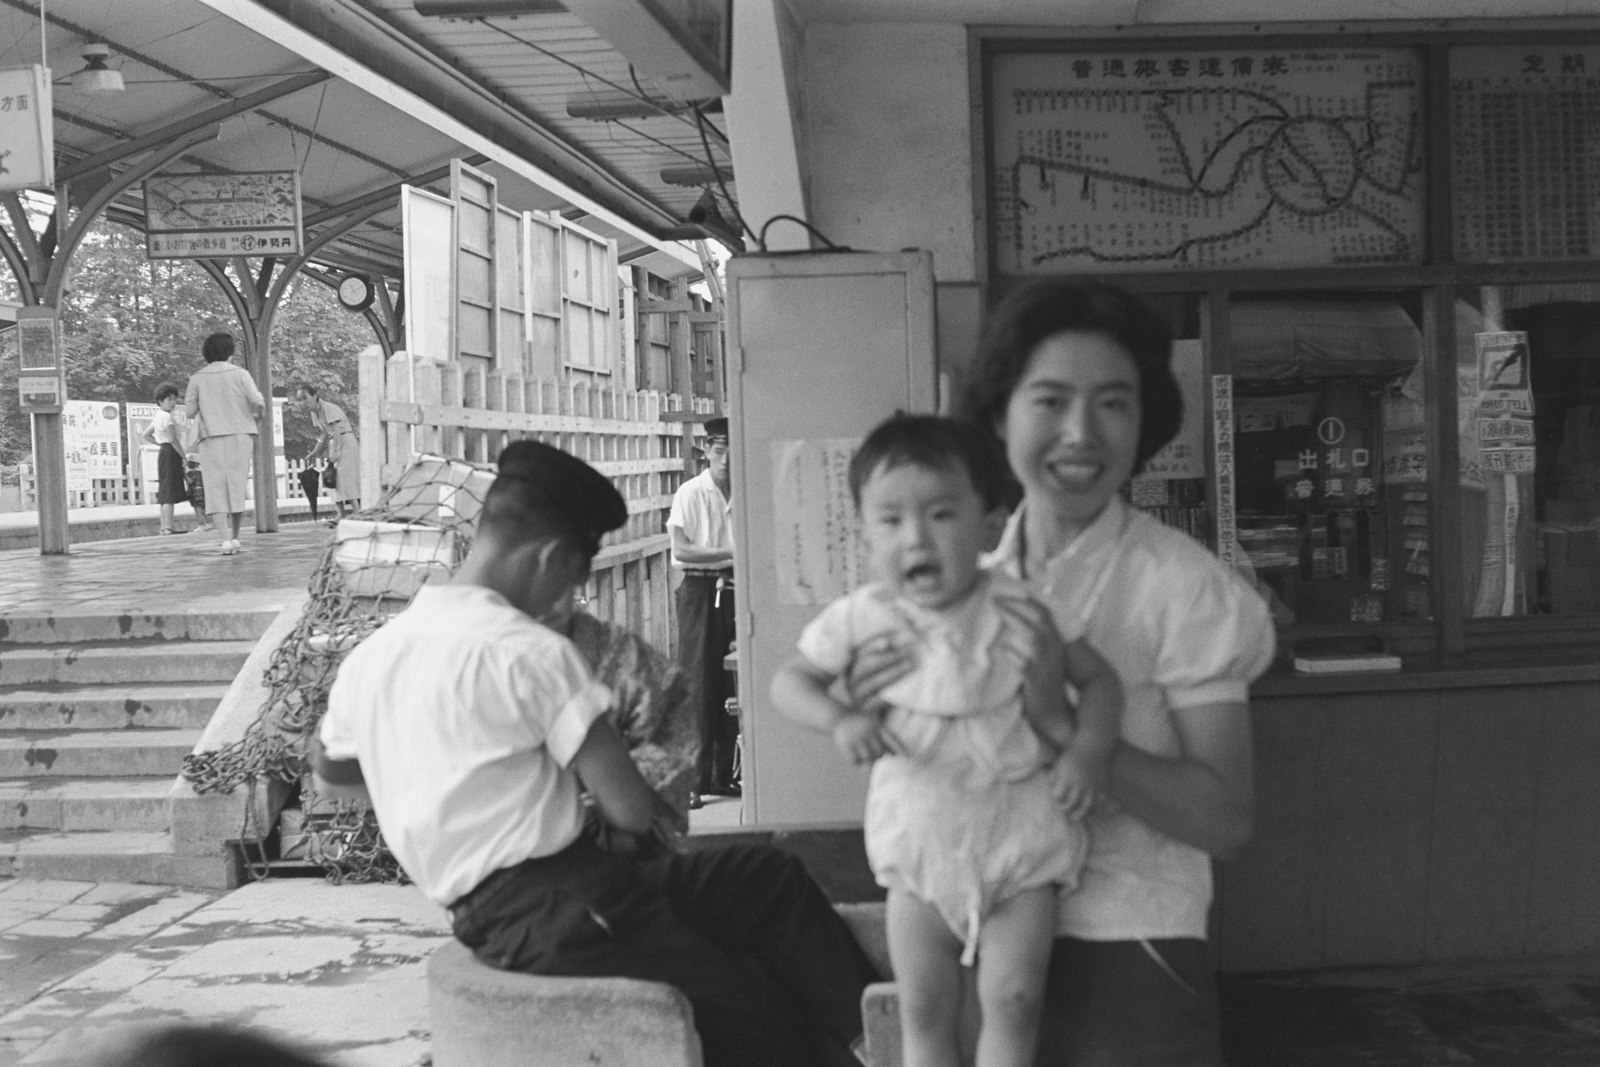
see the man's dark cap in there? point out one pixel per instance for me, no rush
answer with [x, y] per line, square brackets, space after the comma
[717, 427]
[575, 491]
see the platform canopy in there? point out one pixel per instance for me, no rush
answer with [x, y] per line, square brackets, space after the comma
[362, 96]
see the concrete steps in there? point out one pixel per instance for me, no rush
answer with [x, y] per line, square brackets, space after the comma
[138, 660]
[97, 712]
[94, 753]
[99, 707]
[120, 803]
[108, 856]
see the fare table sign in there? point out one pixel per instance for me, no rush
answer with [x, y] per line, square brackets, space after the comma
[198, 216]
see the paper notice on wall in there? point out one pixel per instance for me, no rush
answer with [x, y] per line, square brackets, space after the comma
[1185, 455]
[816, 533]
[1222, 446]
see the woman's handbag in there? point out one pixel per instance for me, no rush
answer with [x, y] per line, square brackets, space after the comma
[330, 477]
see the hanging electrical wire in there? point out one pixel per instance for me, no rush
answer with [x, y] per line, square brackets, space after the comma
[642, 96]
[711, 161]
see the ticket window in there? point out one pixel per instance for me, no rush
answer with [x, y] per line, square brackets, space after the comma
[1331, 470]
[1528, 413]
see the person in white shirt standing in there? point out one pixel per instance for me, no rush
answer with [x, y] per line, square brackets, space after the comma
[162, 431]
[477, 729]
[701, 527]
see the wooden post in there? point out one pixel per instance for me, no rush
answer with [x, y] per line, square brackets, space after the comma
[370, 396]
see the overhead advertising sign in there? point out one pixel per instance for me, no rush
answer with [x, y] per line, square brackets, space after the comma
[198, 216]
[27, 131]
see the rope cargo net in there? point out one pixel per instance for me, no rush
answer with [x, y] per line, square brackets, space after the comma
[374, 563]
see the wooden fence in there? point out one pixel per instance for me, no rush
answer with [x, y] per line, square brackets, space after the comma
[127, 489]
[412, 405]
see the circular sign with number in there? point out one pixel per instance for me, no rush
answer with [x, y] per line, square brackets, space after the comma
[1330, 431]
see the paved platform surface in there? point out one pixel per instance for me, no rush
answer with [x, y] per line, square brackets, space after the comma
[172, 573]
[340, 972]
[337, 970]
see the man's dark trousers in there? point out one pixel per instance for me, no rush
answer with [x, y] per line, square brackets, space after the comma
[773, 973]
[705, 634]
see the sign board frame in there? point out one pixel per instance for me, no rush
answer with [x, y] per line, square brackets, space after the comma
[40, 379]
[199, 216]
[27, 129]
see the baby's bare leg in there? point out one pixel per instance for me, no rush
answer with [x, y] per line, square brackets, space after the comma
[927, 971]
[1013, 952]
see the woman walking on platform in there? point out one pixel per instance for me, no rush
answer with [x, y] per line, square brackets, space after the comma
[224, 398]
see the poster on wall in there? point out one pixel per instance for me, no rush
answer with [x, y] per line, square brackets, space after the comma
[816, 540]
[91, 432]
[1219, 157]
[1222, 446]
[1185, 455]
[197, 216]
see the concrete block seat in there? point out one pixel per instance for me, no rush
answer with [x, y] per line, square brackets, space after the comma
[484, 1017]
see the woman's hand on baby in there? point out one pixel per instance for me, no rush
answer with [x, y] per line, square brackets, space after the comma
[1044, 676]
[861, 736]
[879, 663]
[1079, 780]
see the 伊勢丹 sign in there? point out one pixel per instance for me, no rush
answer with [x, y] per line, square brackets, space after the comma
[196, 216]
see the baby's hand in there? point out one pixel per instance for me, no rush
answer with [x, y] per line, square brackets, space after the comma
[1079, 779]
[860, 736]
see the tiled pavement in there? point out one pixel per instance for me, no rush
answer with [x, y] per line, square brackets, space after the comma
[337, 970]
[151, 574]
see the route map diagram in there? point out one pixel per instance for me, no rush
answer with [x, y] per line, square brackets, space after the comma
[1194, 160]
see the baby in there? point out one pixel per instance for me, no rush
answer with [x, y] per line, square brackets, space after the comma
[981, 774]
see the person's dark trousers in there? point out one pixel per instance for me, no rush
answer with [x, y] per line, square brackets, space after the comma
[705, 634]
[1130, 1004]
[773, 973]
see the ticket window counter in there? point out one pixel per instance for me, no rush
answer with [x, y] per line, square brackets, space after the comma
[1328, 448]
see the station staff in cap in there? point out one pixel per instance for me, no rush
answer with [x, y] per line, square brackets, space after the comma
[701, 527]
[476, 730]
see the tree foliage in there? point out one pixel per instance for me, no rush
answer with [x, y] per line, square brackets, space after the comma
[129, 323]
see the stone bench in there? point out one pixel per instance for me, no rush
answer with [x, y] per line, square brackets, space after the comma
[483, 1017]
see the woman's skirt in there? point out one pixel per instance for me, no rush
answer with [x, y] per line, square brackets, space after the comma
[347, 457]
[225, 469]
[169, 476]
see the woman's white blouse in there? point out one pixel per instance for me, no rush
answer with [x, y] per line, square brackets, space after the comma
[1182, 631]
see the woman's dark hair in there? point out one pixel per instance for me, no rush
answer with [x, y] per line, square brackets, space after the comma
[935, 442]
[1041, 309]
[218, 347]
[166, 389]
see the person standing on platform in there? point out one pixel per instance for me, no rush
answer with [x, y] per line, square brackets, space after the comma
[163, 432]
[224, 397]
[338, 442]
[701, 527]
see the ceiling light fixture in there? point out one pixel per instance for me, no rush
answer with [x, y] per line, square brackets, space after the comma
[96, 77]
[603, 106]
[695, 174]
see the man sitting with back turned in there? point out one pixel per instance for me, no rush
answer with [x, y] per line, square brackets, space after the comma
[476, 729]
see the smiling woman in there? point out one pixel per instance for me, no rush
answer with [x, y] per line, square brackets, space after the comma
[1077, 382]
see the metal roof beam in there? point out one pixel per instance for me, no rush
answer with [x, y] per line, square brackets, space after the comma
[210, 116]
[366, 52]
[388, 192]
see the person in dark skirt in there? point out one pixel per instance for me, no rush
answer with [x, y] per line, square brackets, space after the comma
[163, 432]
